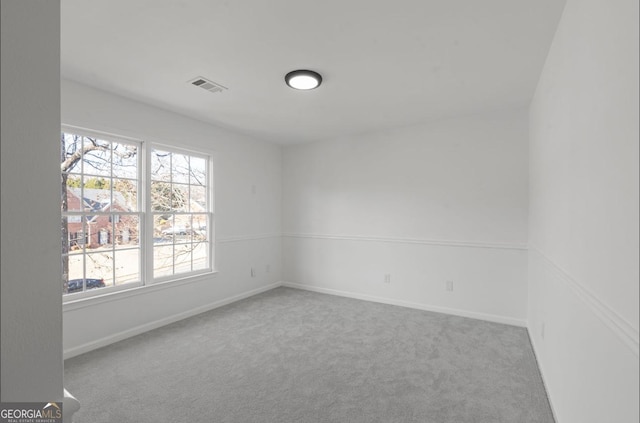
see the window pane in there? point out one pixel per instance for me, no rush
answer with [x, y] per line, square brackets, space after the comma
[125, 195]
[161, 193]
[201, 256]
[75, 267]
[95, 196]
[181, 230]
[198, 203]
[66, 234]
[162, 225]
[77, 233]
[189, 229]
[97, 157]
[200, 227]
[73, 200]
[100, 266]
[103, 235]
[71, 153]
[198, 171]
[182, 235]
[71, 193]
[127, 230]
[99, 183]
[160, 166]
[162, 260]
[180, 198]
[180, 168]
[99, 231]
[127, 263]
[125, 161]
[182, 258]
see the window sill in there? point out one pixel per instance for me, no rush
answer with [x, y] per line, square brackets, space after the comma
[133, 291]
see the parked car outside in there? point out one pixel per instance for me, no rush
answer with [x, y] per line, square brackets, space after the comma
[176, 230]
[75, 285]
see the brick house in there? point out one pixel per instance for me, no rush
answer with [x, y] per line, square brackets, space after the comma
[101, 229]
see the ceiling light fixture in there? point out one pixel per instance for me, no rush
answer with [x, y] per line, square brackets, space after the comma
[303, 79]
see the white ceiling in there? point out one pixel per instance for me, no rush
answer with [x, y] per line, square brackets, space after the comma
[384, 63]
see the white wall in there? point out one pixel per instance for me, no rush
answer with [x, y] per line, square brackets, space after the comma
[584, 214]
[247, 224]
[426, 204]
[31, 313]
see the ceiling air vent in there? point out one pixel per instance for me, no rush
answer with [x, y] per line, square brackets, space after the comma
[205, 84]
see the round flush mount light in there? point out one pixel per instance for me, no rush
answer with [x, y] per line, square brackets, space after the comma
[303, 79]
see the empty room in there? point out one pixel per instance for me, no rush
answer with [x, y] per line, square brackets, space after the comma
[343, 211]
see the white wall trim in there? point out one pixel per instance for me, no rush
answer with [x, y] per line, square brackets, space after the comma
[619, 325]
[119, 336]
[438, 242]
[241, 238]
[427, 307]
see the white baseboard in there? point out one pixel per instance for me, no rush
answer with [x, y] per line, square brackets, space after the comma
[102, 342]
[427, 307]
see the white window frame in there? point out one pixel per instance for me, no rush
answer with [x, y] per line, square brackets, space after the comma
[145, 214]
[149, 220]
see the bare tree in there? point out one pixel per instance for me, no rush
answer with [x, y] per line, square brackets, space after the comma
[71, 155]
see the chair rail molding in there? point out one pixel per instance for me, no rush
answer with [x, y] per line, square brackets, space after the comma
[618, 324]
[437, 242]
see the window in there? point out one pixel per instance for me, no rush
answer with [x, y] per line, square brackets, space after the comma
[132, 213]
[180, 213]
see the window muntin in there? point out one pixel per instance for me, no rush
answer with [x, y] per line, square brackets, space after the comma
[104, 246]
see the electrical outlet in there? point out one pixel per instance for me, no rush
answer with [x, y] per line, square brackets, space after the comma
[267, 268]
[387, 278]
[449, 286]
[253, 272]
